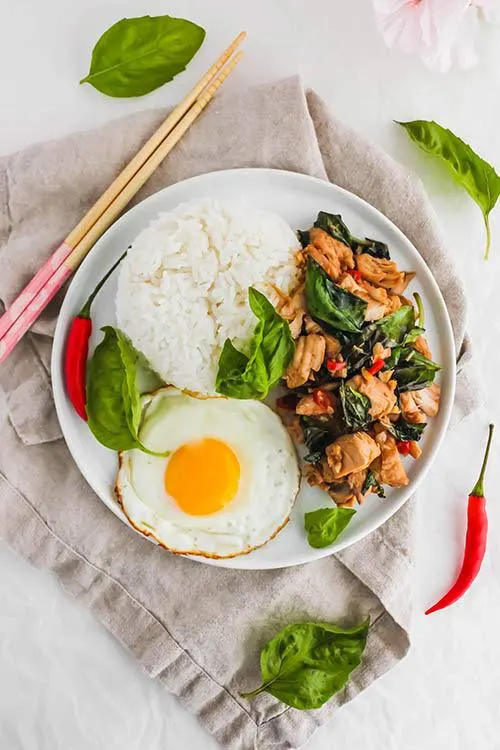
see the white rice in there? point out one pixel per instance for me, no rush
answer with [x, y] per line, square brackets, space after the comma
[183, 287]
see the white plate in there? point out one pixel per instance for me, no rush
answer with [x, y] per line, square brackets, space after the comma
[297, 198]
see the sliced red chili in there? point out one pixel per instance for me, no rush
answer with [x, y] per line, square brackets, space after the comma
[288, 402]
[356, 275]
[334, 366]
[323, 398]
[377, 365]
[404, 447]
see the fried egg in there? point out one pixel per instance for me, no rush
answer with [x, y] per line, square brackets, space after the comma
[228, 483]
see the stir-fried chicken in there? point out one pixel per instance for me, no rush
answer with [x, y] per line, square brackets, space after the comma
[310, 406]
[292, 308]
[388, 468]
[417, 405]
[356, 481]
[421, 345]
[384, 273]
[380, 303]
[307, 359]
[382, 395]
[351, 453]
[333, 256]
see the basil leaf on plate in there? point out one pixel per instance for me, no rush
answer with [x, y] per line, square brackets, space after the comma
[466, 167]
[372, 481]
[113, 399]
[389, 331]
[355, 408]
[305, 664]
[330, 303]
[317, 435]
[412, 371]
[270, 352]
[137, 55]
[324, 525]
[403, 430]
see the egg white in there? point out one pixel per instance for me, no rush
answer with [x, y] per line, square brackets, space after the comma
[269, 474]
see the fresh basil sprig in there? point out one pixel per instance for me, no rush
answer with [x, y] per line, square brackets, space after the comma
[137, 55]
[113, 399]
[324, 525]
[466, 167]
[271, 349]
[305, 664]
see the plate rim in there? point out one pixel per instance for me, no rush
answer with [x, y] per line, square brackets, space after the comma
[446, 335]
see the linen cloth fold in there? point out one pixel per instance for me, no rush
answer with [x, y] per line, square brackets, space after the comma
[199, 629]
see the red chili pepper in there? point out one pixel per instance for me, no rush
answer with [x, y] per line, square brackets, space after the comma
[77, 349]
[288, 402]
[323, 398]
[376, 366]
[475, 540]
[356, 275]
[334, 366]
[403, 446]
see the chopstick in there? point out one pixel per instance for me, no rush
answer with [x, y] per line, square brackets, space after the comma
[19, 317]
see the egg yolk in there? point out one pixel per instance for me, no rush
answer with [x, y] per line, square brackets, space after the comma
[202, 476]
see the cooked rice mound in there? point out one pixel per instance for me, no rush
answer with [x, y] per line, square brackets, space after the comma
[183, 286]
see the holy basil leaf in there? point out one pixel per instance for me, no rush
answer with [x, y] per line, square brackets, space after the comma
[305, 664]
[271, 349]
[324, 525]
[403, 430]
[328, 302]
[333, 225]
[137, 55]
[466, 167]
[412, 370]
[113, 400]
[317, 435]
[372, 482]
[355, 408]
[389, 331]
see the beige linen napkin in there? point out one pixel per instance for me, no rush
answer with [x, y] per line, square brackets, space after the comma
[198, 629]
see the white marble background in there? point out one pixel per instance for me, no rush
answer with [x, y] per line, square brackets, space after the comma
[64, 682]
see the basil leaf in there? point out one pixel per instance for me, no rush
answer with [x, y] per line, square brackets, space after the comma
[389, 331]
[371, 481]
[466, 167]
[327, 301]
[412, 371]
[317, 435]
[271, 349]
[333, 225]
[137, 55]
[403, 430]
[324, 525]
[305, 664]
[355, 408]
[113, 399]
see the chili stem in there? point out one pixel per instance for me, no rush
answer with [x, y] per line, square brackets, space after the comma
[85, 311]
[478, 490]
[420, 307]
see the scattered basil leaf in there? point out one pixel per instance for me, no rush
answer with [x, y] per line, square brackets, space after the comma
[389, 331]
[113, 399]
[317, 435]
[305, 664]
[413, 335]
[333, 225]
[137, 55]
[271, 349]
[328, 302]
[324, 525]
[403, 430]
[372, 482]
[355, 408]
[412, 371]
[466, 167]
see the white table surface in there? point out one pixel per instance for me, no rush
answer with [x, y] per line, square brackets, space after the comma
[64, 681]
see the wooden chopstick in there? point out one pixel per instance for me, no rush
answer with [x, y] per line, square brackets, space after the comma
[77, 234]
[40, 300]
